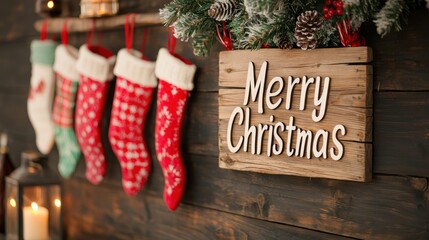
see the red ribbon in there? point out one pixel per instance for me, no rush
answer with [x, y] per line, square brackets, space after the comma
[348, 37]
[171, 42]
[90, 34]
[226, 37]
[129, 30]
[144, 43]
[44, 30]
[64, 33]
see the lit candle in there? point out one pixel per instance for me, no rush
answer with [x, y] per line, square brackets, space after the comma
[36, 222]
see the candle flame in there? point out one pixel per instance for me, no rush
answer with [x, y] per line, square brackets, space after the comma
[12, 202]
[57, 202]
[50, 4]
[34, 206]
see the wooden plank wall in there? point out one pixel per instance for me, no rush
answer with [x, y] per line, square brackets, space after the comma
[227, 204]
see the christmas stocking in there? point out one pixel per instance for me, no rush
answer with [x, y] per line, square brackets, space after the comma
[67, 83]
[42, 86]
[175, 82]
[133, 95]
[95, 65]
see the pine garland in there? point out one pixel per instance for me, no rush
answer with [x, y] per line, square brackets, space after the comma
[391, 16]
[223, 10]
[260, 23]
[361, 11]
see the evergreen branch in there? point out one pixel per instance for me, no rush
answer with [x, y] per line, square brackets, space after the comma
[257, 22]
[391, 16]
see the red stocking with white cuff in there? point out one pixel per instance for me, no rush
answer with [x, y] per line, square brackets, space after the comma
[133, 94]
[95, 65]
[175, 83]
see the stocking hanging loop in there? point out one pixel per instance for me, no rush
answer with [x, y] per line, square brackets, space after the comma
[44, 30]
[171, 42]
[144, 42]
[64, 33]
[129, 30]
[90, 34]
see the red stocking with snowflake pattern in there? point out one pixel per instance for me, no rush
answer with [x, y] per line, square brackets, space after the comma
[95, 65]
[175, 83]
[133, 94]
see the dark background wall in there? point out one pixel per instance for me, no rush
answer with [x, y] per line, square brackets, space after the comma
[224, 204]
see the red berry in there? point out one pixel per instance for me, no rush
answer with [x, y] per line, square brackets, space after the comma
[328, 2]
[325, 9]
[326, 16]
[331, 12]
[339, 11]
[341, 4]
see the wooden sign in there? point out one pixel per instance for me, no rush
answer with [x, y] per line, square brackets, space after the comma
[304, 113]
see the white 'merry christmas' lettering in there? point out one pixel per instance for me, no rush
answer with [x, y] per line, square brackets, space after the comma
[255, 91]
[307, 144]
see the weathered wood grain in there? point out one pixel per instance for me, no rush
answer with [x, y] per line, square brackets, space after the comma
[401, 133]
[15, 66]
[346, 80]
[55, 25]
[396, 128]
[400, 122]
[16, 20]
[358, 121]
[389, 207]
[401, 59]
[348, 102]
[296, 58]
[79, 229]
[353, 165]
[152, 219]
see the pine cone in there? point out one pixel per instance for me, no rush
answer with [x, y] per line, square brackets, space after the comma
[222, 10]
[284, 44]
[306, 26]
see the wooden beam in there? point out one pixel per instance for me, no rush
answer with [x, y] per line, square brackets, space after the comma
[55, 25]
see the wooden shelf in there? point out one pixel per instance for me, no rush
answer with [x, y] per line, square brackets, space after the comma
[85, 24]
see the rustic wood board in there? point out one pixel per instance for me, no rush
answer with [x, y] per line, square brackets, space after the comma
[401, 133]
[349, 103]
[389, 207]
[151, 219]
[402, 62]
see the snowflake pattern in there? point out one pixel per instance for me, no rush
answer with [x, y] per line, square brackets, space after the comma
[171, 103]
[130, 105]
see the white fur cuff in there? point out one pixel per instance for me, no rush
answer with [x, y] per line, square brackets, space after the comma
[130, 66]
[95, 66]
[174, 71]
[65, 62]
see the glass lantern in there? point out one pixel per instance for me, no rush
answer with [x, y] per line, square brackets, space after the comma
[33, 200]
